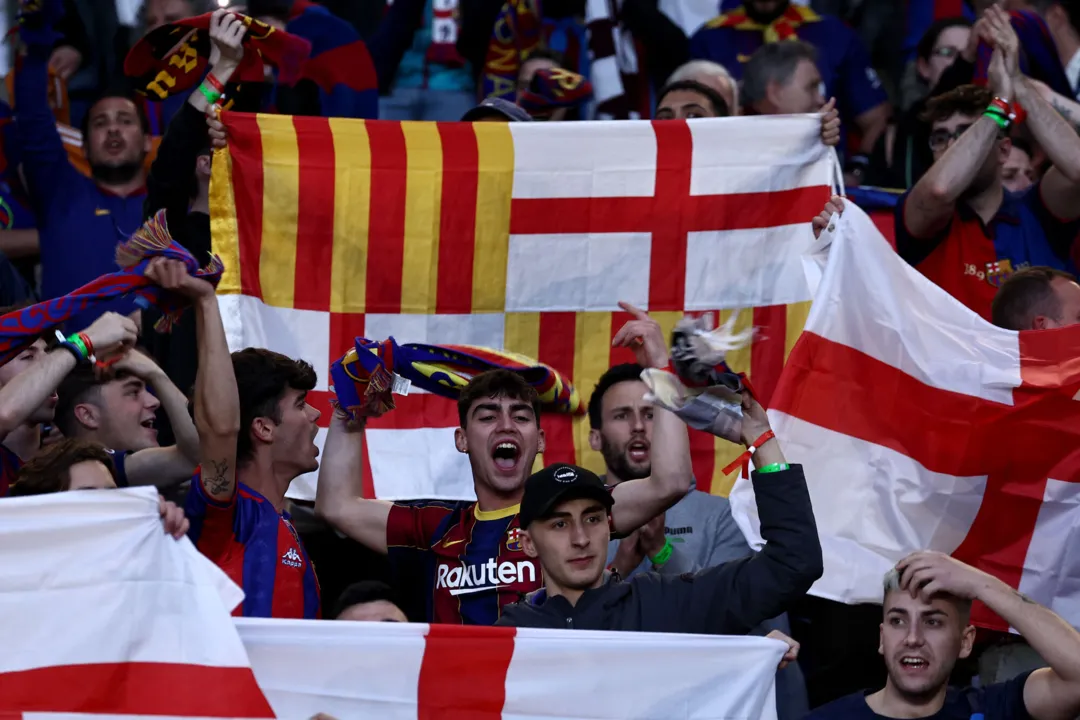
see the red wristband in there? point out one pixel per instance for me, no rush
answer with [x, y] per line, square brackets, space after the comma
[86, 341]
[744, 460]
[215, 83]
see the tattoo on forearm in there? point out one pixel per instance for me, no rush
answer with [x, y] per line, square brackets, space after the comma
[1064, 111]
[1025, 598]
[216, 482]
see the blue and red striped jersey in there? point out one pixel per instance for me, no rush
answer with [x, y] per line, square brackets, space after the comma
[258, 548]
[9, 469]
[474, 561]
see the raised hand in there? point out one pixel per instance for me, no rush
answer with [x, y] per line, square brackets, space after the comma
[111, 333]
[1004, 69]
[835, 206]
[226, 41]
[830, 123]
[644, 337]
[138, 364]
[755, 421]
[173, 275]
[926, 573]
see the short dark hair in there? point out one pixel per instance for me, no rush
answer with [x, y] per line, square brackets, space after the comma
[366, 591]
[81, 385]
[123, 93]
[720, 106]
[1026, 295]
[966, 100]
[496, 384]
[773, 63]
[50, 470]
[930, 37]
[262, 378]
[625, 372]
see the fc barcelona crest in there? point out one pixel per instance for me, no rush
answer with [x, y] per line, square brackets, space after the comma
[998, 272]
[513, 540]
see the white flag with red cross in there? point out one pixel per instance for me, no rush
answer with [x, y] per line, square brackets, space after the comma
[103, 616]
[922, 426]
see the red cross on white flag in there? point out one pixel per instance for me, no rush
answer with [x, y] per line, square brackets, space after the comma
[922, 426]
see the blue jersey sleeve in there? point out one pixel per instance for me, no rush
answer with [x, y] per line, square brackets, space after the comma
[1003, 701]
[858, 86]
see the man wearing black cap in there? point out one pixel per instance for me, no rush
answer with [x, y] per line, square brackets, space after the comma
[564, 518]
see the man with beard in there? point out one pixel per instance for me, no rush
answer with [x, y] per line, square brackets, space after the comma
[116, 408]
[925, 631]
[846, 73]
[80, 220]
[695, 533]
[28, 385]
[475, 562]
[256, 434]
[958, 225]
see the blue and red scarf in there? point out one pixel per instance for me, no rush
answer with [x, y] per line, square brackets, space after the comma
[19, 329]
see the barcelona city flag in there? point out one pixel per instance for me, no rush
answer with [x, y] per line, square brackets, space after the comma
[521, 237]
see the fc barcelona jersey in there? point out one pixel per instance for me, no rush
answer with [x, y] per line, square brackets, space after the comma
[258, 548]
[474, 564]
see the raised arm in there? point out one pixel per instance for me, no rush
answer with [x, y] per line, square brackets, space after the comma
[930, 206]
[1051, 693]
[165, 466]
[217, 400]
[338, 497]
[737, 596]
[44, 159]
[1060, 187]
[638, 501]
[29, 389]
[169, 183]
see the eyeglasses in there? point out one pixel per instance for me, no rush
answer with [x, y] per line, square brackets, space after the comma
[940, 139]
[945, 51]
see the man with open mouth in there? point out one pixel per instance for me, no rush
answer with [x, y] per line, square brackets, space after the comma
[926, 629]
[476, 564]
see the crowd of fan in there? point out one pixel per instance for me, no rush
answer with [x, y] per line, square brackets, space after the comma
[982, 141]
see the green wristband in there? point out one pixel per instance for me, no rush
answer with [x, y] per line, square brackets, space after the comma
[664, 555]
[998, 117]
[75, 340]
[211, 95]
[775, 467]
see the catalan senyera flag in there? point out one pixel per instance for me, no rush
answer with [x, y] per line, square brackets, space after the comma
[522, 237]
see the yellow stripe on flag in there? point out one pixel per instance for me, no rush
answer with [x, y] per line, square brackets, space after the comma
[352, 199]
[521, 334]
[224, 232]
[592, 352]
[423, 204]
[796, 321]
[739, 361]
[281, 198]
[495, 181]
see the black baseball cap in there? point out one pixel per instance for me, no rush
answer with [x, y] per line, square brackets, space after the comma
[497, 107]
[558, 483]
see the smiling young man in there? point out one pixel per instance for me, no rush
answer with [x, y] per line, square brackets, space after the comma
[476, 565]
[117, 409]
[925, 631]
[565, 515]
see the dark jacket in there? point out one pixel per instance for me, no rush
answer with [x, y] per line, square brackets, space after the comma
[729, 599]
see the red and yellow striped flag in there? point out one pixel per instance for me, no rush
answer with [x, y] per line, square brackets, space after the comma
[515, 236]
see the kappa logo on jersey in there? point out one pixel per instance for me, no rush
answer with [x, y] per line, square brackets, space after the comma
[463, 580]
[292, 558]
[513, 540]
[566, 475]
